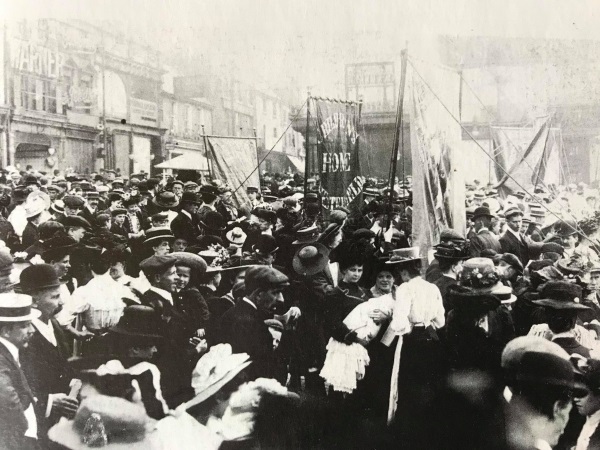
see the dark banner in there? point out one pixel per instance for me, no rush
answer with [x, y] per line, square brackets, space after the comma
[337, 147]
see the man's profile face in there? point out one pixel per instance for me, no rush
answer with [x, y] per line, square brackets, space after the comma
[267, 301]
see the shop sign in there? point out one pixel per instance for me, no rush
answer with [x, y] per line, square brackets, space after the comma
[143, 112]
[37, 59]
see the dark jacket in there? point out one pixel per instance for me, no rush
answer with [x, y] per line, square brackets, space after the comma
[47, 371]
[190, 303]
[185, 227]
[30, 235]
[243, 327]
[15, 398]
[338, 305]
[483, 240]
[571, 346]
[524, 248]
[443, 283]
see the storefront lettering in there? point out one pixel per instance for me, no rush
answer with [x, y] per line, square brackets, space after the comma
[33, 58]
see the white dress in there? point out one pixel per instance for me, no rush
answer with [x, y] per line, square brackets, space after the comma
[345, 364]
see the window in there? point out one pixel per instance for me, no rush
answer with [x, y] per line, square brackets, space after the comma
[264, 103]
[49, 96]
[28, 100]
[275, 133]
[274, 110]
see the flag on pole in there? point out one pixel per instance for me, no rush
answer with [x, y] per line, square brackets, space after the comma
[438, 182]
[337, 149]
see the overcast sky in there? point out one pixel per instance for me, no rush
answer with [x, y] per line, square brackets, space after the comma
[310, 41]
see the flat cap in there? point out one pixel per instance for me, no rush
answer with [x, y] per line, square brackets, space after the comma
[6, 260]
[264, 278]
[76, 222]
[118, 212]
[73, 201]
[157, 264]
[451, 235]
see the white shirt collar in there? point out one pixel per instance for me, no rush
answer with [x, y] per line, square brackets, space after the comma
[591, 423]
[247, 300]
[516, 233]
[45, 330]
[12, 348]
[540, 444]
[187, 214]
[483, 229]
[164, 294]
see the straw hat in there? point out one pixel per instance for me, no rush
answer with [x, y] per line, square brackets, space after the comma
[310, 259]
[17, 308]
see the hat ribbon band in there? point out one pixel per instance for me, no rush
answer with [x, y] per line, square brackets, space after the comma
[312, 259]
[15, 312]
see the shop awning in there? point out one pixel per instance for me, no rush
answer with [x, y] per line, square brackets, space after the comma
[186, 161]
[297, 163]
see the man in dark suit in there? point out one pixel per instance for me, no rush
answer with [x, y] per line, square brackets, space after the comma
[18, 424]
[483, 238]
[513, 241]
[185, 225]
[589, 407]
[44, 361]
[243, 326]
[90, 209]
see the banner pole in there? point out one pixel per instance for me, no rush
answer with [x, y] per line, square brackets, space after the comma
[397, 136]
[307, 156]
[206, 150]
[258, 159]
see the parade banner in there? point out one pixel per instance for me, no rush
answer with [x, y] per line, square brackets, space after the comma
[232, 160]
[435, 136]
[337, 149]
[526, 153]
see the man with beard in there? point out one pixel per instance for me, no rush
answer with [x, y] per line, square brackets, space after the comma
[44, 361]
[243, 326]
[18, 425]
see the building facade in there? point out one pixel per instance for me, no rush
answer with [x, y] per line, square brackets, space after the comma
[77, 97]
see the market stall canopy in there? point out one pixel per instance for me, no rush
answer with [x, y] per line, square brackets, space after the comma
[187, 161]
[297, 163]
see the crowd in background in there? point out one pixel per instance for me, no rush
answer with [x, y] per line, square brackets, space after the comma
[158, 313]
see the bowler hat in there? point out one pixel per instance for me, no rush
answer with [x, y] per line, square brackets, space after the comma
[166, 200]
[265, 245]
[38, 277]
[190, 197]
[546, 369]
[139, 321]
[311, 259]
[76, 222]
[561, 296]
[482, 211]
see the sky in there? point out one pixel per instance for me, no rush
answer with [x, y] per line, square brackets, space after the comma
[308, 42]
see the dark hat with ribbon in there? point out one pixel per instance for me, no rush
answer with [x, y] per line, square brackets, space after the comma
[404, 255]
[57, 248]
[118, 212]
[265, 245]
[157, 264]
[310, 259]
[265, 214]
[452, 251]
[190, 197]
[464, 298]
[561, 296]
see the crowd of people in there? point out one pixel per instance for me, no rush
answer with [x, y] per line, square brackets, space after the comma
[157, 313]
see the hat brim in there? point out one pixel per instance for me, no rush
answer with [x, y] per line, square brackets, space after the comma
[579, 389]
[302, 269]
[118, 329]
[402, 261]
[65, 434]
[164, 205]
[561, 306]
[451, 258]
[212, 228]
[33, 314]
[211, 390]
[159, 238]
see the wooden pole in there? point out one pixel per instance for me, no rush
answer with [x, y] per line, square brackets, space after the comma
[258, 160]
[206, 152]
[307, 156]
[397, 135]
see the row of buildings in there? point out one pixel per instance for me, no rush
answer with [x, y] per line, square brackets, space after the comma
[76, 96]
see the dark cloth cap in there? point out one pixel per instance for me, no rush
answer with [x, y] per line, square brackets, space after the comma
[264, 278]
[590, 373]
[73, 201]
[118, 211]
[38, 277]
[212, 220]
[561, 296]
[539, 264]
[6, 260]
[513, 261]
[140, 322]
[451, 235]
[76, 222]
[252, 190]
[363, 233]
[553, 247]
[488, 253]
[157, 264]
